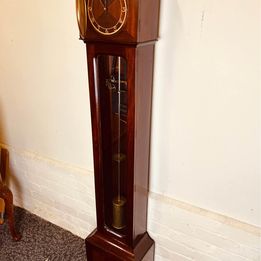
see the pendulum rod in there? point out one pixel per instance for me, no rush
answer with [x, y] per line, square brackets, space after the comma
[119, 201]
[119, 127]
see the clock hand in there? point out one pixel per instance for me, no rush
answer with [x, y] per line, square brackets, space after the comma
[102, 2]
[106, 6]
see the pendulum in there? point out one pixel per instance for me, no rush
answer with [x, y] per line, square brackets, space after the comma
[118, 220]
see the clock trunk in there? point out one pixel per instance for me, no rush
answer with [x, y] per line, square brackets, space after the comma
[120, 84]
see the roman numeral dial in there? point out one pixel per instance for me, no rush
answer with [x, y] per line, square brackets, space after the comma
[107, 16]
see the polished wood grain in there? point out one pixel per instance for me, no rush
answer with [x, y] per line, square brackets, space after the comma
[7, 195]
[4, 163]
[142, 124]
[148, 25]
[102, 248]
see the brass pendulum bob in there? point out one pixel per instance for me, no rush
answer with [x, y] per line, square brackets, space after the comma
[119, 221]
[119, 202]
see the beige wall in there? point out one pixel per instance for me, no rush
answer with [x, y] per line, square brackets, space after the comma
[205, 132]
[44, 103]
[206, 116]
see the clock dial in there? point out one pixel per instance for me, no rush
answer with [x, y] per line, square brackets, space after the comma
[107, 16]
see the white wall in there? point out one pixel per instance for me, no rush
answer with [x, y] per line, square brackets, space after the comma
[205, 131]
[44, 102]
[206, 117]
[64, 195]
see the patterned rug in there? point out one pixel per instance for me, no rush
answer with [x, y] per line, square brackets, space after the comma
[41, 241]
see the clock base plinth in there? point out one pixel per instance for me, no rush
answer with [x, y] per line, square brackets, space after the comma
[103, 248]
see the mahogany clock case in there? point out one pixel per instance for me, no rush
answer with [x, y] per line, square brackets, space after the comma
[134, 237]
[141, 24]
[130, 41]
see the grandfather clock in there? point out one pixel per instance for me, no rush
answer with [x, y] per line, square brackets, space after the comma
[120, 36]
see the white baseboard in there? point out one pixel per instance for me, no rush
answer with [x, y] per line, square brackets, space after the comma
[185, 232]
[64, 195]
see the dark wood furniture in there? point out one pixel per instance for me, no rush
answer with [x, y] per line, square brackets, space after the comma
[120, 36]
[6, 194]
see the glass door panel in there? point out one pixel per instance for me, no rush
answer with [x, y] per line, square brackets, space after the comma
[111, 81]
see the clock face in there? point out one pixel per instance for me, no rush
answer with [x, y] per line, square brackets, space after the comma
[107, 16]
